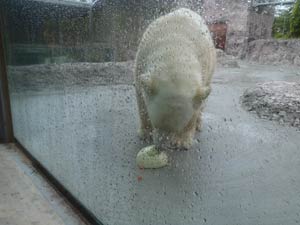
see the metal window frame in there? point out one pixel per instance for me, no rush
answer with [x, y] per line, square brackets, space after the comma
[257, 3]
[67, 2]
[5, 114]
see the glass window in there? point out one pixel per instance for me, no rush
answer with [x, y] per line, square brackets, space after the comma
[161, 112]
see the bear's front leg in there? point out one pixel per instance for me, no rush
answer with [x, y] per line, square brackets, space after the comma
[145, 130]
[199, 117]
[184, 140]
[199, 122]
[145, 134]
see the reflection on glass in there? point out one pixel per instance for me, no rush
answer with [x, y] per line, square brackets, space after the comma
[74, 107]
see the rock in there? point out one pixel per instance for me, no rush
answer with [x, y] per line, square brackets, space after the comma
[226, 60]
[231, 64]
[297, 61]
[282, 113]
[276, 100]
[150, 158]
[281, 121]
[275, 117]
[296, 122]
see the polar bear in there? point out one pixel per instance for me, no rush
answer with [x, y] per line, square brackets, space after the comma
[174, 65]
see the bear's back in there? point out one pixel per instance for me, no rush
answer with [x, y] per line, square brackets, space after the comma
[190, 27]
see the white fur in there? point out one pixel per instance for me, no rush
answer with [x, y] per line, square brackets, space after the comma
[173, 69]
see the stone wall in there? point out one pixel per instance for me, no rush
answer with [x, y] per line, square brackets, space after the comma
[111, 30]
[235, 13]
[260, 22]
[121, 24]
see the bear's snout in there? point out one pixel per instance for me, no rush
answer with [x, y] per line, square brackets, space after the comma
[170, 114]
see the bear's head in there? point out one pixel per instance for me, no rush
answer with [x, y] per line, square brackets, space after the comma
[173, 102]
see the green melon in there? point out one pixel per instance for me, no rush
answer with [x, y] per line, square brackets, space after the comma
[150, 158]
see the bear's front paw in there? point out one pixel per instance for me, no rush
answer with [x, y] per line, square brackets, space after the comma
[186, 144]
[182, 144]
[199, 127]
[199, 123]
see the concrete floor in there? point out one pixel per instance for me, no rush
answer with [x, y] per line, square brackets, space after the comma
[25, 197]
[240, 170]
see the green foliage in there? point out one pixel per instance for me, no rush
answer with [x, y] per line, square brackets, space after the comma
[295, 21]
[287, 24]
[281, 25]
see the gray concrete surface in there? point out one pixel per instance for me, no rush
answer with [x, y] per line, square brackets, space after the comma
[241, 169]
[25, 197]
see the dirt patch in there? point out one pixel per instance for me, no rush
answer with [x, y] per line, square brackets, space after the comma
[276, 100]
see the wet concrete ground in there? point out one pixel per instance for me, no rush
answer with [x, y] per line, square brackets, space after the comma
[25, 197]
[241, 169]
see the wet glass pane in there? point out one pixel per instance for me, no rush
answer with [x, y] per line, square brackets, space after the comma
[161, 112]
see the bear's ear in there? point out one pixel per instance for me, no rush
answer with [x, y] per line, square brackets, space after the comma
[147, 83]
[201, 94]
